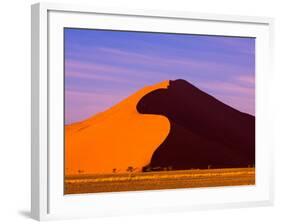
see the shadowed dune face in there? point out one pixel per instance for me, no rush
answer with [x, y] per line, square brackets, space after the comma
[115, 139]
[204, 131]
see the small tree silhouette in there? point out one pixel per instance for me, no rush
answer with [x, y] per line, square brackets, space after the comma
[80, 171]
[130, 169]
[114, 170]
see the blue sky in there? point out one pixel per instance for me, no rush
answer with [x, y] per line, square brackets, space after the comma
[104, 67]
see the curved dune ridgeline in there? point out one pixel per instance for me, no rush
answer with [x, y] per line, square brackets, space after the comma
[204, 131]
[116, 139]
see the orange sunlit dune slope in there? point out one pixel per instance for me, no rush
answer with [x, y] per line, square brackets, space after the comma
[115, 139]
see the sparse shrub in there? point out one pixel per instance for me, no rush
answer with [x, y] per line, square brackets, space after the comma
[80, 171]
[130, 169]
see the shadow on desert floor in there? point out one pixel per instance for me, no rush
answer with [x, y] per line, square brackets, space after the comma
[25, 213]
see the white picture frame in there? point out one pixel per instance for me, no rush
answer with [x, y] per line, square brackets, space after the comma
[47, 198]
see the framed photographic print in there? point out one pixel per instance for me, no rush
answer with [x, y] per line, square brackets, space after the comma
[147, 111]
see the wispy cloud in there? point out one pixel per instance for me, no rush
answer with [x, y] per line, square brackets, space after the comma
[107, 72]
[248, 80]
[243, 104]
[164, 61]
[152, 60]
[101, 68]
[240, 93]
[81, 105]
[227, 88]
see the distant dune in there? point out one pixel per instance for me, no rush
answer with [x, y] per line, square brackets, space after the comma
[115, 139]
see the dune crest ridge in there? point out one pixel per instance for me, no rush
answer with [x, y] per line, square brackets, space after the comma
[118, 138]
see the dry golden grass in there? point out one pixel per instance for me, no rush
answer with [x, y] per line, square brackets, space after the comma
[158, 180]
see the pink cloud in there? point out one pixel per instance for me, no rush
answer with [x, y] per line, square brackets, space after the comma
[95, 76]
[245, 104]
[92, 71]
[81, 105]
[227, 87]
[96, 71]
[234, 94]
[246, 79]
[138, 58]
[239, 92]
[133, 58]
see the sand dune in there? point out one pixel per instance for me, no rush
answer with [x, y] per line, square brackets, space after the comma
[204, 131]
[116, 138]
